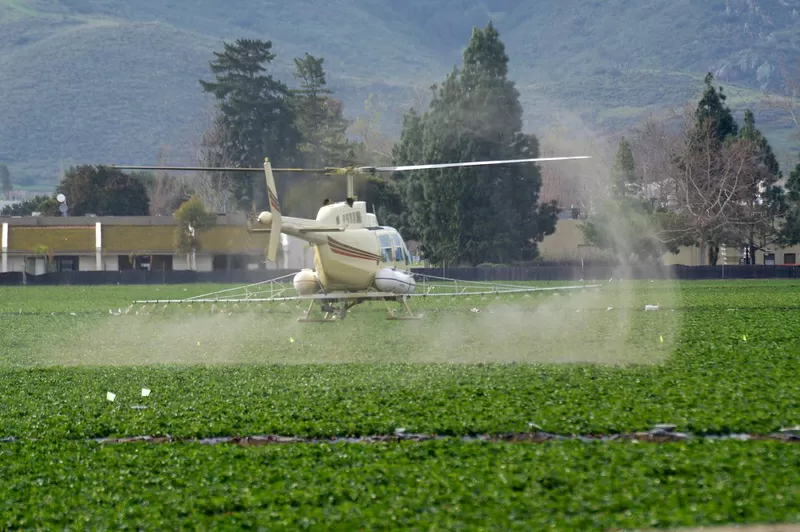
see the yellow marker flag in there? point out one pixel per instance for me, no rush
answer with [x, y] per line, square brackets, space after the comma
[291, 340]
[744, 337]
[661, 339]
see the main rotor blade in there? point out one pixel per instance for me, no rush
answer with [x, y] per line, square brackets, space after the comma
[472, 163]
[364, 169]
[217, 168]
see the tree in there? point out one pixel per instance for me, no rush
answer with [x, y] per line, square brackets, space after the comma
[216, 189]
[623, 176]
[166, 192]
[631, 229]
[765, 200]
[193, 219]
[319, 117]
[373, 148]
[475, 214]
[712, 183]
[709, 173]
[711, 109]
[256, 109]
[27, 208]
[49, 207]
[789, 234]
[630, 222]
[5, 180]
[103, 191]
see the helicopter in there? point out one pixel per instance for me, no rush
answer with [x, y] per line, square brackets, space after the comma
[355, 258]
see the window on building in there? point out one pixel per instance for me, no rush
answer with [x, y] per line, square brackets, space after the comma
[769, 259]
[67, 263]
[789, 258]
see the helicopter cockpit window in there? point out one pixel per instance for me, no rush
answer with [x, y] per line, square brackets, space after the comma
[399, 249]
[386, 248]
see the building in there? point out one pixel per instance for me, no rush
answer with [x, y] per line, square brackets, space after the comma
[40, 244]
[567, 244]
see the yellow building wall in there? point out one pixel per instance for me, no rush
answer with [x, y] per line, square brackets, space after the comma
[146, 240]
[143, 240]
[56, 239]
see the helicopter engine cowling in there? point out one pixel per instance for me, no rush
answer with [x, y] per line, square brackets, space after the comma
[395, 282]
[306, 282]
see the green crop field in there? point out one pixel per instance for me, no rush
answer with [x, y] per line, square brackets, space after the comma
[526, 411]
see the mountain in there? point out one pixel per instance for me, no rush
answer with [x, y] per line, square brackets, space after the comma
[117, 80]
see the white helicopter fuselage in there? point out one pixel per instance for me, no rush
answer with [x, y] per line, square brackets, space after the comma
[351, 251]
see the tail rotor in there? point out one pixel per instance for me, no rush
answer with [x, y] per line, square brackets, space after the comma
[273, 216]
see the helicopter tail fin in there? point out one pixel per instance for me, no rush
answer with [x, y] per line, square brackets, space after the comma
[274, 218]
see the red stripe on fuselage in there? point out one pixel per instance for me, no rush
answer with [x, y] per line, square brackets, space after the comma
[353, 254]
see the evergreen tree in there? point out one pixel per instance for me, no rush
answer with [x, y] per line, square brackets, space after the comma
[713, 122]
[475, 214]
[765, 199]
[790, 231]
[712, 109]
[623, 177]
[255, 107]
[319, 117]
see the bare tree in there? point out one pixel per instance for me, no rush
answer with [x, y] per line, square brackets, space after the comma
[579, 184]
[215, 189]
[376, 147]
[165, 191]
[713, 187]
[654, 143]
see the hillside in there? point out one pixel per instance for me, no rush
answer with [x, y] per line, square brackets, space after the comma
[115, 80]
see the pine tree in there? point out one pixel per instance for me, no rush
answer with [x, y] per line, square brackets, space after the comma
[712, 109]
[714, 122]
[475, 214]
[623, 178]
[319, 117]
[255, 107]
[790, 231]
[765, 199]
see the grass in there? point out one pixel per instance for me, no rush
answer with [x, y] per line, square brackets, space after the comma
[587, 363]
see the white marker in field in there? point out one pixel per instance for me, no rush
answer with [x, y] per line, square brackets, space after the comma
[145, 392]
[111, 396]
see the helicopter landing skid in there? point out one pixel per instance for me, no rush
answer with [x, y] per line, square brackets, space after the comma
[332, 312]
[409, 316]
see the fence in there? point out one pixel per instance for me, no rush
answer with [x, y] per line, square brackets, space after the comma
[531, 273]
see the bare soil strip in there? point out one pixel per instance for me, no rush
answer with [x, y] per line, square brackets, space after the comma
[661, 434]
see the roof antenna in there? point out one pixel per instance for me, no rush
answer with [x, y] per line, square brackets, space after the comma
[349, 202]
